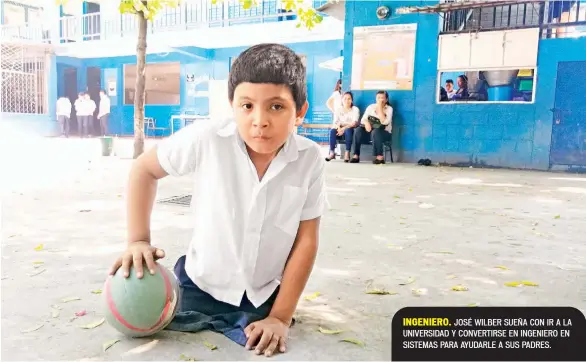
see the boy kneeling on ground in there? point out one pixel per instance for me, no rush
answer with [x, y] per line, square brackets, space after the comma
[259, 193]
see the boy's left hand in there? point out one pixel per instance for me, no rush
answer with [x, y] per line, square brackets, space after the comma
[270, 333]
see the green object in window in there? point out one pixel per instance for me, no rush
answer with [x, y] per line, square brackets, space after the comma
[526, 85]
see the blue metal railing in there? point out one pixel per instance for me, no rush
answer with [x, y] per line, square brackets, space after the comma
[564, 18]
[202, 13]
[554, 17]
[500, 17]
[190, 14]
[319, 3]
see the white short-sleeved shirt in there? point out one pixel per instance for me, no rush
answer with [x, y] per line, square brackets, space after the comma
[343, 117]
[387, 122]
[80, 107]
[244, 228]
[63, 107]
[104, 107]
[337, 96]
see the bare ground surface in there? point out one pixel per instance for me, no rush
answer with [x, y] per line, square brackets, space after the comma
[434, 227]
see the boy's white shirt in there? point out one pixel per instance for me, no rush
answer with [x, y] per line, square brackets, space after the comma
[91, 107]
[85, 107]
[63, 107]
[104, 107]
[244, 228]
[79, 107]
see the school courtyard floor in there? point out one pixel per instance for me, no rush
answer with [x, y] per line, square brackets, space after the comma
[413, 230]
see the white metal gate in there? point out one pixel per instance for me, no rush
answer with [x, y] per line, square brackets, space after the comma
[24, 88]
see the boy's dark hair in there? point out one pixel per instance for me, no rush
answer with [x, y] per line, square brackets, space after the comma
[449, 81]
[102, 91]
[443, 94]
[273, 64]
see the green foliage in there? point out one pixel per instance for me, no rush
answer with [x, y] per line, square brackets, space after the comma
[149, 8]
[307, 17]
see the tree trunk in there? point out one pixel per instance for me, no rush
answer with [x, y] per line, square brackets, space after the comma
[139, 90]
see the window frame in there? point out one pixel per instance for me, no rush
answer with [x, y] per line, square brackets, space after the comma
[124, 68]
[438, 85]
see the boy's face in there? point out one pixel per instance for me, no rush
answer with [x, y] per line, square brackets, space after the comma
[266, 115]
[449, 86]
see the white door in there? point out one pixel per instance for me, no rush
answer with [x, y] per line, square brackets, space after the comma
[218, 98]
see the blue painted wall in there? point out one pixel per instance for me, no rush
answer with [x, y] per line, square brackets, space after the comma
[202, 62]
[30, 124]
[504, 135]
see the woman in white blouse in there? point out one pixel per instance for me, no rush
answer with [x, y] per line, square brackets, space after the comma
[377, 120]
[346, 119]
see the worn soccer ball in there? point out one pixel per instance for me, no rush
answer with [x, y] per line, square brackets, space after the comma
[141, 307]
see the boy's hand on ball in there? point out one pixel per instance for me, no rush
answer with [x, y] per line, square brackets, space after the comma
[135, 254]
[270, 333]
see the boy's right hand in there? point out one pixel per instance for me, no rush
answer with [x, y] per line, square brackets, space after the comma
[135, 254]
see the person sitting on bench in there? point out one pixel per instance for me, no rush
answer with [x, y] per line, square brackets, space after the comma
[346, 118]
[377, 119]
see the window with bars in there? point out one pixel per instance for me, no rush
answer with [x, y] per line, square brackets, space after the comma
[23, 84]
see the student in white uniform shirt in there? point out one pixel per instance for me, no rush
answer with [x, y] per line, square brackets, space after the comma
[90, 108]
[104, 112]
[346, 118]
[335, 100]
[258, 195]
[80, 112]
[63, 114]
[377, 120]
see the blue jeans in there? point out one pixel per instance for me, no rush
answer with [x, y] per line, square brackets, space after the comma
[348, 135]
[199, 311]
[86, 125]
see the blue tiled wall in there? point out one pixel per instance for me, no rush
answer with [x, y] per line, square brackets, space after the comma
[504, 135]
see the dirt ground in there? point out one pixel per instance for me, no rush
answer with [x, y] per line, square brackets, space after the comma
[387, 225]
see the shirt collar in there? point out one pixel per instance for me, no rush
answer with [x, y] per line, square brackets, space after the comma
[290, 150]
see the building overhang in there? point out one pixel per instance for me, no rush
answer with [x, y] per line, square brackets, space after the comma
[336, 64]
[206, 38]
[334, 8]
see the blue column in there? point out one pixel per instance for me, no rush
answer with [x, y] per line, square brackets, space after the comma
[52, 83]
[82, 78]
[110, 76]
